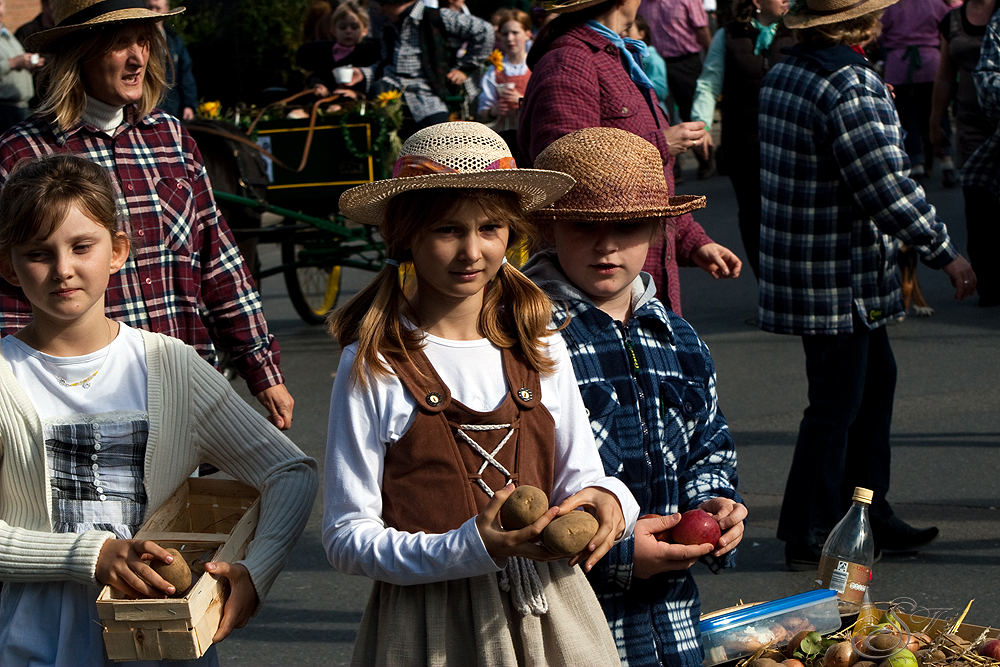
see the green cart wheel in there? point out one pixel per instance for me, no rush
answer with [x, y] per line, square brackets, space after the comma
[313, 290]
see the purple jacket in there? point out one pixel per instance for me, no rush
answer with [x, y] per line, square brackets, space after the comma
[580, 82]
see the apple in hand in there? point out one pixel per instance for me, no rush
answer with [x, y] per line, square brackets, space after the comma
[697, 527]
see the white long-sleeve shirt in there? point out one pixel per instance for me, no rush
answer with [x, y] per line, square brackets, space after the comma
[364, 423]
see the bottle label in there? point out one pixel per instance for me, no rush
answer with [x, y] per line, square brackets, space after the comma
[850, 580]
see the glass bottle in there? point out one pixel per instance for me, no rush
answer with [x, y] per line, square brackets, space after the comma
[848, 554]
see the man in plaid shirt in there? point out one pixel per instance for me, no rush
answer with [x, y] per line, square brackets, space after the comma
[836, 199]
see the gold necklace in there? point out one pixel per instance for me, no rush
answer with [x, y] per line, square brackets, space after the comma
[85, 382]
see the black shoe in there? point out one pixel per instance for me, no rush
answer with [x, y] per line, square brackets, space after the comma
[802, 557]
[893, 534]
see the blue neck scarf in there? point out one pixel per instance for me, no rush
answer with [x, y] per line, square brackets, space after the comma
[765, 35]
[632, 65]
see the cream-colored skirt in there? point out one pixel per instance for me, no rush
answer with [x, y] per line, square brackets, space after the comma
[472, 622]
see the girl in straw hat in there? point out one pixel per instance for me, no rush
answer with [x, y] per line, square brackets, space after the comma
[446, 397]
[836, 198]
[648, 383]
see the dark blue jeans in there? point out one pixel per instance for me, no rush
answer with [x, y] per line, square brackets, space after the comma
[844, 435]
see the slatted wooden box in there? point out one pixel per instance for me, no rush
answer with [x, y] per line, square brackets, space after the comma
[207, 520]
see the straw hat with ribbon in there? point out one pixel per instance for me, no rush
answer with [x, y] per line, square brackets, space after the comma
[619, 176]
[809, 13]
[454, 155]
[73, 15]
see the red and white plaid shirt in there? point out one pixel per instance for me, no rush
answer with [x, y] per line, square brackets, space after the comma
[185, 277]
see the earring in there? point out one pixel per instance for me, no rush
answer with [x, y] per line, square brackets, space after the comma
[758, 10]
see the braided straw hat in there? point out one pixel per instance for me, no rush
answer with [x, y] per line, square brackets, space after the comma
[809, 13]
[454, 155]
[73, 15]
[619, 176]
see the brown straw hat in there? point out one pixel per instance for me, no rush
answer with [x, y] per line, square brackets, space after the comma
[454, 155]
[73, 15]
[809, 13]
[619, 176]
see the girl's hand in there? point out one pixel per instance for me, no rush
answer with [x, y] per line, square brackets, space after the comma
[321, 91]
[456, 77]
[242, 597]
[124, 565]
[502, 543]
[651, 555]
[730, 515]
[608, 512]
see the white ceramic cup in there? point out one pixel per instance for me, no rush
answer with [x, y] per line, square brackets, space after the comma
[343, 75]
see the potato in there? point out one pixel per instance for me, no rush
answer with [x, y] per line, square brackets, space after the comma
[177, 573]
[523, 507]
[840, 654]
[570, 533]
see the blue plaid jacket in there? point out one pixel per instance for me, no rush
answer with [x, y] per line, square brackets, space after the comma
[982, 169]
[649, 387]
[835, 194]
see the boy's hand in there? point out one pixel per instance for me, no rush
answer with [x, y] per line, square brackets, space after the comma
[651, 555]
[456, 77]
[242, 598]
[502, 543]
[608, 512]
[124, 565]
[730, 515]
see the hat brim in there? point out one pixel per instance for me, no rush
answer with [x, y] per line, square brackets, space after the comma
[675, 206]
[40, 41]
[574, 7]
[537, 188]
[807, 18]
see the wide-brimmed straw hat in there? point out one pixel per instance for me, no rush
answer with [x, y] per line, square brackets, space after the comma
[454, 155]
[619, 176]
[567, 6]
[73, 15]
[809, 13]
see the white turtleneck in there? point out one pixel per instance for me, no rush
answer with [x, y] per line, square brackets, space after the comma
[105, 117]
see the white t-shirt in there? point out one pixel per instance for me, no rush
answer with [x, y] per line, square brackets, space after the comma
[364, 423]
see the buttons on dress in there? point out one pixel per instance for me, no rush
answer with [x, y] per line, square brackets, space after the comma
[103, 497]
[97, 446]
[93, 457]
[624, 109]
[524, 394]
[434, 399]
[611, 49]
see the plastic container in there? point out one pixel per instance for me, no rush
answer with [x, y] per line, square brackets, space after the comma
[740, 632]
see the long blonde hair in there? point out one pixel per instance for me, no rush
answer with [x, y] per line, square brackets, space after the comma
[515, 311]
[63, 74]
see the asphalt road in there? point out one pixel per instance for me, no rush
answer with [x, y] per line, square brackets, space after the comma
[946, 433]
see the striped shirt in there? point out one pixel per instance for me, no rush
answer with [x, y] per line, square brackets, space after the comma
[185, 277]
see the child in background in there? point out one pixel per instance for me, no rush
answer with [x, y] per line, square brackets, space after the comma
[504, 87]
[350, 47]
[99, 425]
[652, 63]
[443, 397]
[648, 383]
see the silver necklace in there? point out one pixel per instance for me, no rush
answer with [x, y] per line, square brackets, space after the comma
[85, 382]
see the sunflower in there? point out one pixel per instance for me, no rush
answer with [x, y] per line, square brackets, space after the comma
[496, 59]
[388, 96]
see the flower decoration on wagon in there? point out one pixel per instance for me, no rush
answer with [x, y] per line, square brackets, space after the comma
[210, 110]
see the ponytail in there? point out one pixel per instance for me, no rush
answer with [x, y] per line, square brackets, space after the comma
[371, 319]
[516, 313]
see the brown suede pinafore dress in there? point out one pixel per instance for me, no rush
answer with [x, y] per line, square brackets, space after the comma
[438, 475]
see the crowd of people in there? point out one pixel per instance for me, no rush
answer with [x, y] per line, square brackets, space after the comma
[574, 373]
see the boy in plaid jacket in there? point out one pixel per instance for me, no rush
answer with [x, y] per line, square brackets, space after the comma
[648, 383]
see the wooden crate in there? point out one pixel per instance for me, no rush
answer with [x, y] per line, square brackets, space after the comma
[207, 520]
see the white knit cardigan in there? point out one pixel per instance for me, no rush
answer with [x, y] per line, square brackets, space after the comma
[194, 417]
